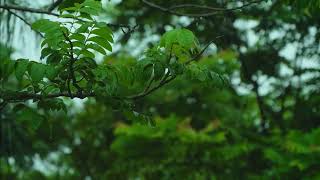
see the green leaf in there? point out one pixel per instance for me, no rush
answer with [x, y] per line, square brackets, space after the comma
[87, 53]
[96, 5]
[52, 30]
[159, 70]
[103, 25]
[89, 11]
[104, 43]
[77, 36]
[6, 68]
[86, 16]
[144, 70]
[182, 37]
[104, 33]
[51, 72]
[53, 105]
[37, 72]
[96, 48]
[84, 27]
[201, 75]
[45, 52]
[218, 80]
[78, 44]
[176, 68]
[54, 58]
[186, 38]
[47, 26]
[21, 67]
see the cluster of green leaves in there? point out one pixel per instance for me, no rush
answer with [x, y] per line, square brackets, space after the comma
[70, 45]
[199, 131]
[70, 68]
[206, 76]
[180, 42]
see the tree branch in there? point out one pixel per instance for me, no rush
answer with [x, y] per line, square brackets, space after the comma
[167, 77]
[71, 63]
[48, 12]
[195, 6]
[26, 9]
[216, 10]
[200, 53]
[25, 21]
[256, 92]
[162, 83]
[23, 96]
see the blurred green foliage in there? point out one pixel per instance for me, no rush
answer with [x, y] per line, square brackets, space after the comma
[263, 124]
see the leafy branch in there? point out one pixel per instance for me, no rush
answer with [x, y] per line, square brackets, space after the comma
[23, 96]
[23, 20]
[70, 69]
[167, 77]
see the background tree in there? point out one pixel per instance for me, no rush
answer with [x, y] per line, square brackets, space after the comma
[248, 108]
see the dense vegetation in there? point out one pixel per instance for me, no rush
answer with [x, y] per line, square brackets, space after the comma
[171, 90]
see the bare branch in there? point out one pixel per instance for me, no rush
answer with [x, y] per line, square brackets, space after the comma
[195, 6]
[25, 21]
[259, 98]
[26, 9]
[48, 12]
[171, 9]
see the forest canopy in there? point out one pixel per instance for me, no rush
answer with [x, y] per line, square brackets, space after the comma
[150, 89]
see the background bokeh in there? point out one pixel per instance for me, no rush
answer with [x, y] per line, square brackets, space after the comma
[264, 125]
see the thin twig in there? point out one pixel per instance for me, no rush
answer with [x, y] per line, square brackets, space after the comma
[149, 85]
[25, 21]
[196, 6]
[216, 10]
[200, 53]
[27, 9]
[40, 11]
[162, 83]
[167, 78]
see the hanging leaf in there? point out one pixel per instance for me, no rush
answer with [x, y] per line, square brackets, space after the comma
[37, 71]
[101, 42]
[96, 48]
[21, 67]
[103, 33]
